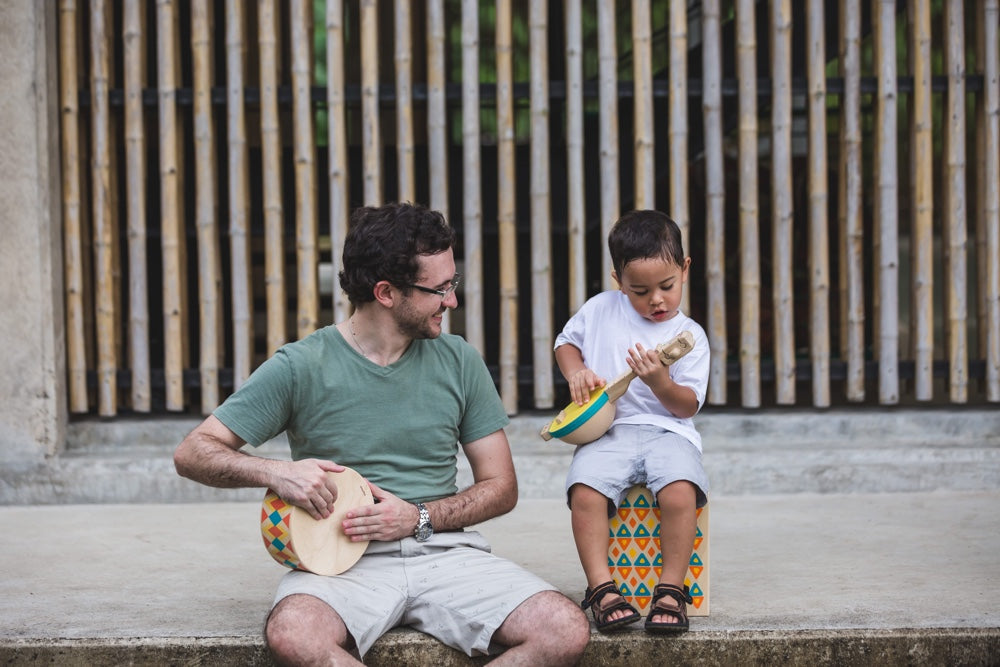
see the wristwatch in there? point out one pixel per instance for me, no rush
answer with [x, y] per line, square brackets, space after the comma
[424, 529]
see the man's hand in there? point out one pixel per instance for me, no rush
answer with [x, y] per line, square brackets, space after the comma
[390, 518]
[306, 484]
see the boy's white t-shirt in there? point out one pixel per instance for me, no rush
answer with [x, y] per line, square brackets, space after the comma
[607, 326]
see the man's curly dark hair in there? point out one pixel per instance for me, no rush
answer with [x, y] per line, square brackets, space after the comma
[383, 243]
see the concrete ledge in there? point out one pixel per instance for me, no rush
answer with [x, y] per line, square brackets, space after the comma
[846, 648]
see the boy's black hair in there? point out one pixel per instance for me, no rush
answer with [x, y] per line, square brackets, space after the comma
[383, 243]
[644, 235]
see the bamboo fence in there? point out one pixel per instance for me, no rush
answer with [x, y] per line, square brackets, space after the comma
[257, 277]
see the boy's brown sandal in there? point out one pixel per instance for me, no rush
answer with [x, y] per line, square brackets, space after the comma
[675, 607]
[601, 613]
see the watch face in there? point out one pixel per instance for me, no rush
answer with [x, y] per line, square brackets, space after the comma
[423, 532]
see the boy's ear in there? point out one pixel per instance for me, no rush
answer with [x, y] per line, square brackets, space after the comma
[614, 277]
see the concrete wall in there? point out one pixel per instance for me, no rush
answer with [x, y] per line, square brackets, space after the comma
[33, 411]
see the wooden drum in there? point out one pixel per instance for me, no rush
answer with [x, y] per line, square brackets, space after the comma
[300, 542]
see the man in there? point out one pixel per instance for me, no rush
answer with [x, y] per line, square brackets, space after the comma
[386, 393]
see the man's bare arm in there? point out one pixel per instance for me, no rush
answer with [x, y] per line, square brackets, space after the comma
[210, 455]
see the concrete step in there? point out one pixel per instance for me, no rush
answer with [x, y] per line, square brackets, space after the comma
[774, 451]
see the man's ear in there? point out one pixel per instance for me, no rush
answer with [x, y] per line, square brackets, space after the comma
[384, 294]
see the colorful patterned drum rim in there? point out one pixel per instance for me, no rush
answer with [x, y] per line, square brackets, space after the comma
[298, 541]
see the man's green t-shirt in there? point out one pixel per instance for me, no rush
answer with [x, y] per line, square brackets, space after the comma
[399, 425]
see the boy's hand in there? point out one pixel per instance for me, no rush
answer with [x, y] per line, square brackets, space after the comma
[647, 365]
[582, 383]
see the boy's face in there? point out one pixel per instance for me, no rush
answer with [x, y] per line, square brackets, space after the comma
[654, 286]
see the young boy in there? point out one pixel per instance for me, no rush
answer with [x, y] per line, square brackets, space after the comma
[653, 440]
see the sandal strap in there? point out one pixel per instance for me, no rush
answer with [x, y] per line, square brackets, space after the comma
[681, 595]
[594, 597]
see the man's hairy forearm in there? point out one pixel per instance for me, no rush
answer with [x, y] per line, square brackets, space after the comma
[480, 502]
[206, 460]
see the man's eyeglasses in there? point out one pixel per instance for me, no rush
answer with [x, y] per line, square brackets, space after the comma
[443, 293]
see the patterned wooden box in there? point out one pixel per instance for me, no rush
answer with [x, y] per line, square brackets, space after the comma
[634, 552]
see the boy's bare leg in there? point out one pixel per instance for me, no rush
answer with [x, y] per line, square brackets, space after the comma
[590, 532]
[678, 524]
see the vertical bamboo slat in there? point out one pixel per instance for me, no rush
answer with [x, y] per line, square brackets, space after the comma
[781, 205]
[72, 210]
[171, 206]
[955, 236]
[404, 102]
[819, 200]
[271, 153]
[609, 162]
[306, 229]
[103, 215]
[371, 133]
[135, 193]
[989, 228]
[506, 208]
[642, 99]
[209, 262]
[239, 194]
[437, 117]
[677, 139]
[886, 202]
[715, 201]
[922, 193]
[576, 202]
[852, 305]
[746, 73]
[472, 205]
[541, 222]
[339, 169]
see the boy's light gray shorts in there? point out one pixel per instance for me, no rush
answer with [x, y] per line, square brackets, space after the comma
[450, 587]
[630, 454]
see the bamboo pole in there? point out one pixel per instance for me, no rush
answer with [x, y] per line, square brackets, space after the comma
[506, 207]
[72, 210]
[239, 194]
[886, 201]
[989, 227]
[852, 305]
[644, 142]
[103, 209]
[955, 209]
[576, 203]
[404, 102]
[339, 169]
[715, 201]
[922, 193]
[437, 116]
[541, 222]
[270, 144]
[171, 206]
[306, 226]
[472, 204]
[819, 198]
[608, 94]
[677, 137]
[371, 134]
[206, 208]
[782, 213]
[746, 73]
[133, 20]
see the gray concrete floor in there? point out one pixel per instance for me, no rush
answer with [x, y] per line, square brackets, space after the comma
[782, 562]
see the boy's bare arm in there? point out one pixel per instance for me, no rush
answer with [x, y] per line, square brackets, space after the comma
[679, 399]
[581, 379]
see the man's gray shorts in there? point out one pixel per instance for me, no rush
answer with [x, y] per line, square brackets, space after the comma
[450, 587]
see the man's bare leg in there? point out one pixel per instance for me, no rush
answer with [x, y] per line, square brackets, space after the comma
[303, 630]
[546, 629]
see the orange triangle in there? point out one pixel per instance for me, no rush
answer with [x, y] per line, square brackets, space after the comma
[623, 572]
[622, 514]
[697, 602]
[697, 542]
[642, 571]
[696, 571]
[623, 542]
[642, 542]
[642, 602]
[641, 513]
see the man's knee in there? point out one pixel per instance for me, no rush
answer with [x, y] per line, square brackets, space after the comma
[301, 625]
[551, 617]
